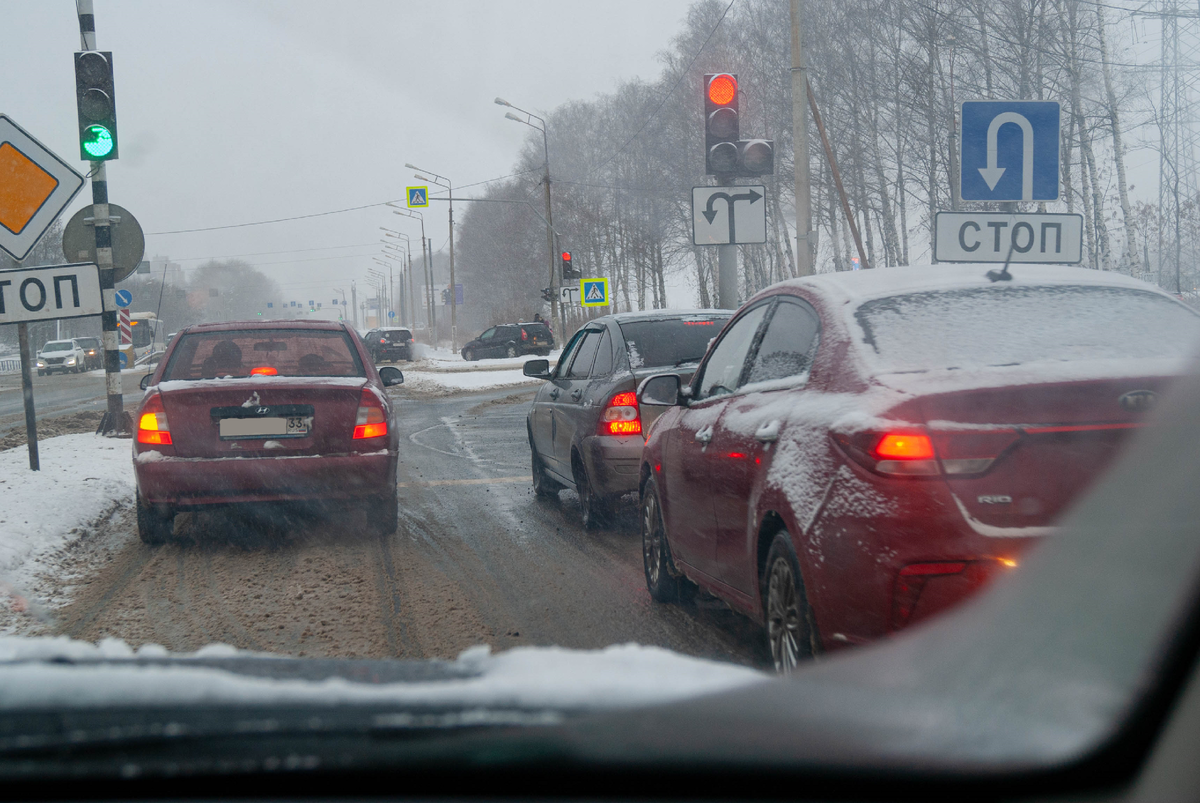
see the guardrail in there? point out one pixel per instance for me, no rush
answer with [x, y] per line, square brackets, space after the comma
[9, 365]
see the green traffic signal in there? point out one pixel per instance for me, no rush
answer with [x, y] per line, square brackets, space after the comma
[97, 141]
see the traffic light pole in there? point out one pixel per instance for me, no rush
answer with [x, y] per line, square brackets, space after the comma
[804, 232]
[727, 265]
[114, 421]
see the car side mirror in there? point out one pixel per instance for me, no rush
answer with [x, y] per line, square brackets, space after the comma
[391, 376]
[538, 369]
[662, 390]
[145, 383]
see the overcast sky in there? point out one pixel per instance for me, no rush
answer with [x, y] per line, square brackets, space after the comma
[234, 112]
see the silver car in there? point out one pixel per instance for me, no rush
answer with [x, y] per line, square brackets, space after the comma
[585, 428]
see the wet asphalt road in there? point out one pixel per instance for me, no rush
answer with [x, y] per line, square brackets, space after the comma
[61, 394]
[477, 559]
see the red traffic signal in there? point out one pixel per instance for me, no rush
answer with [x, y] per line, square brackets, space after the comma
[568, 270]
[722, 89]
[566, 256]
[721, 127]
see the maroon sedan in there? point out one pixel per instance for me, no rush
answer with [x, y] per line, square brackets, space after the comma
[263, 412]
[861, 450]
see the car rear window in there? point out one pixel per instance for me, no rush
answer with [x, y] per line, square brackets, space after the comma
[670, 342]
[398, 335]
[1007, 326]
[536, 330]
[282, 352]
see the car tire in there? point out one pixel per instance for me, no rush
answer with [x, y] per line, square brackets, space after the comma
[543, 486]
[155, 523]
[468, 355]
[596, 510]
[511, 351]
[384, 513]
[41, 373]
[791, 636]
[662, 580]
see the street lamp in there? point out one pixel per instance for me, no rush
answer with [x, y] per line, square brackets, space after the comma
[529, 116]
[442, 181]
[426, 273]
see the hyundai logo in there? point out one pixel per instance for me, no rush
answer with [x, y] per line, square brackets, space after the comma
[1138, 401]
[263, 410]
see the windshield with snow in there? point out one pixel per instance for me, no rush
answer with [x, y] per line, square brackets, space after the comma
[1000, 327]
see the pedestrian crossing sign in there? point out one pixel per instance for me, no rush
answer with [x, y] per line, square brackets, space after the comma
[417, 196]
[593, 292]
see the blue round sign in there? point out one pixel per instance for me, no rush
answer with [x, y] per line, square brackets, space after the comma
[123, 298]
[124, 359]
[392, 314]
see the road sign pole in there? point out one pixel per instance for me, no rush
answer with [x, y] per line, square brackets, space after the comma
[804, 233]
[27, 392]
[727, 260]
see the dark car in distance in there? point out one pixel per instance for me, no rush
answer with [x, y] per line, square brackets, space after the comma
[389, 344]
[254, 411]
[93, 352]
[859, 451]
[511, 340]
[585, 428]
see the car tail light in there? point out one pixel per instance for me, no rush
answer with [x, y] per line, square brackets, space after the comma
[371, 421]
[895, 453]
[383, 340]
[152, 423]
[972, 452]
[621, 416]
[524, 335]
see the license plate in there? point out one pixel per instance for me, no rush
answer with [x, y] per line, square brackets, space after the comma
[268, 427]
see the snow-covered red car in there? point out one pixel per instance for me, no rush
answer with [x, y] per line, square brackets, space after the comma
[861, 450]
[260, 412]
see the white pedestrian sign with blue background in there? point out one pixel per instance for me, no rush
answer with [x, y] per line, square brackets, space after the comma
[1009, 150]
[593, 292]
[417, 196]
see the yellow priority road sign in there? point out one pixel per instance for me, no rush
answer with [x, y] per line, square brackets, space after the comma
[35, 187]
[593, 292]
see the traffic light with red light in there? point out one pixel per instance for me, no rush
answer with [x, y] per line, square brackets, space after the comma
[726, 154]
[569, 271]
[721, 125]
[97, 106]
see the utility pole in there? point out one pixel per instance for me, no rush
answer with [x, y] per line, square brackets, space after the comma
[114, 421]
[354, 303]
[804, 232]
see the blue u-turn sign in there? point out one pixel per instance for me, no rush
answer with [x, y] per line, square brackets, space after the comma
[1009, 150]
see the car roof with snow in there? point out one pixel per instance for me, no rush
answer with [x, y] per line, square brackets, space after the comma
[294, 323]
[854, 287]
[667, 314]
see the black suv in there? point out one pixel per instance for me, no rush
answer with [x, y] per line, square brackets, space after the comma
[93, 352]
[511, 340]
[389, 344]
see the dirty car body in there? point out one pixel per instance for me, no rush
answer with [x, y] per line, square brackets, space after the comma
[262, 412]
[908, 432]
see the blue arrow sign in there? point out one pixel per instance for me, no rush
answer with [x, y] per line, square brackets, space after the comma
[1009, 150]
[123, 298]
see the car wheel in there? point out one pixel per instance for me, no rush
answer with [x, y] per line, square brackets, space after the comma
[511, 351]
[542, 485]
[596, 510]
[656, 554]
[155, 523]
[384, 513]
[790, 632]
[41, 373]
[468, 355]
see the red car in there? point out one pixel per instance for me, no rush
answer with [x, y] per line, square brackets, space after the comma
[260, 412]
[861, 450]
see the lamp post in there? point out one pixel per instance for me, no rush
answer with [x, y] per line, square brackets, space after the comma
[407, 305]
[343, 292]
[379, 280]
[442, 181]
[426, 271]
[554, 310]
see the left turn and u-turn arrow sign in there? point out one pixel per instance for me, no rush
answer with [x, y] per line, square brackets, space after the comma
[729, 215]
[35, 187]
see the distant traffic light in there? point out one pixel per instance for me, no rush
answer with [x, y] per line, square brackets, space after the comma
[97, 106]
[569, 271]
[446, 297]
[721, 125]
[547, 294]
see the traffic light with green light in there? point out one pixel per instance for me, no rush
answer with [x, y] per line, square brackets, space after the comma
[97, 106]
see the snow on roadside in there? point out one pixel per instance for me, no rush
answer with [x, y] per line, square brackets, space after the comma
[82, 479]
[423, 381]
[619, 676]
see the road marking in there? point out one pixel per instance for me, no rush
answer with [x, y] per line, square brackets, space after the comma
[476, 481]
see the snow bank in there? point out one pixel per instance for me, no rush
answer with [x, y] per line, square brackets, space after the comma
[618, 676]
[466, 380]
[82, 478]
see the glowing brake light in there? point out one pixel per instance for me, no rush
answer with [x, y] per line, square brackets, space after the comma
[371, 421]
[894, 446]
[621, 416]
[263, 370]
[152, 423]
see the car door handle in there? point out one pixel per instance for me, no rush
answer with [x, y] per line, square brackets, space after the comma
[768, 432]
[554, 393]
[704, 435]
[576, 394]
